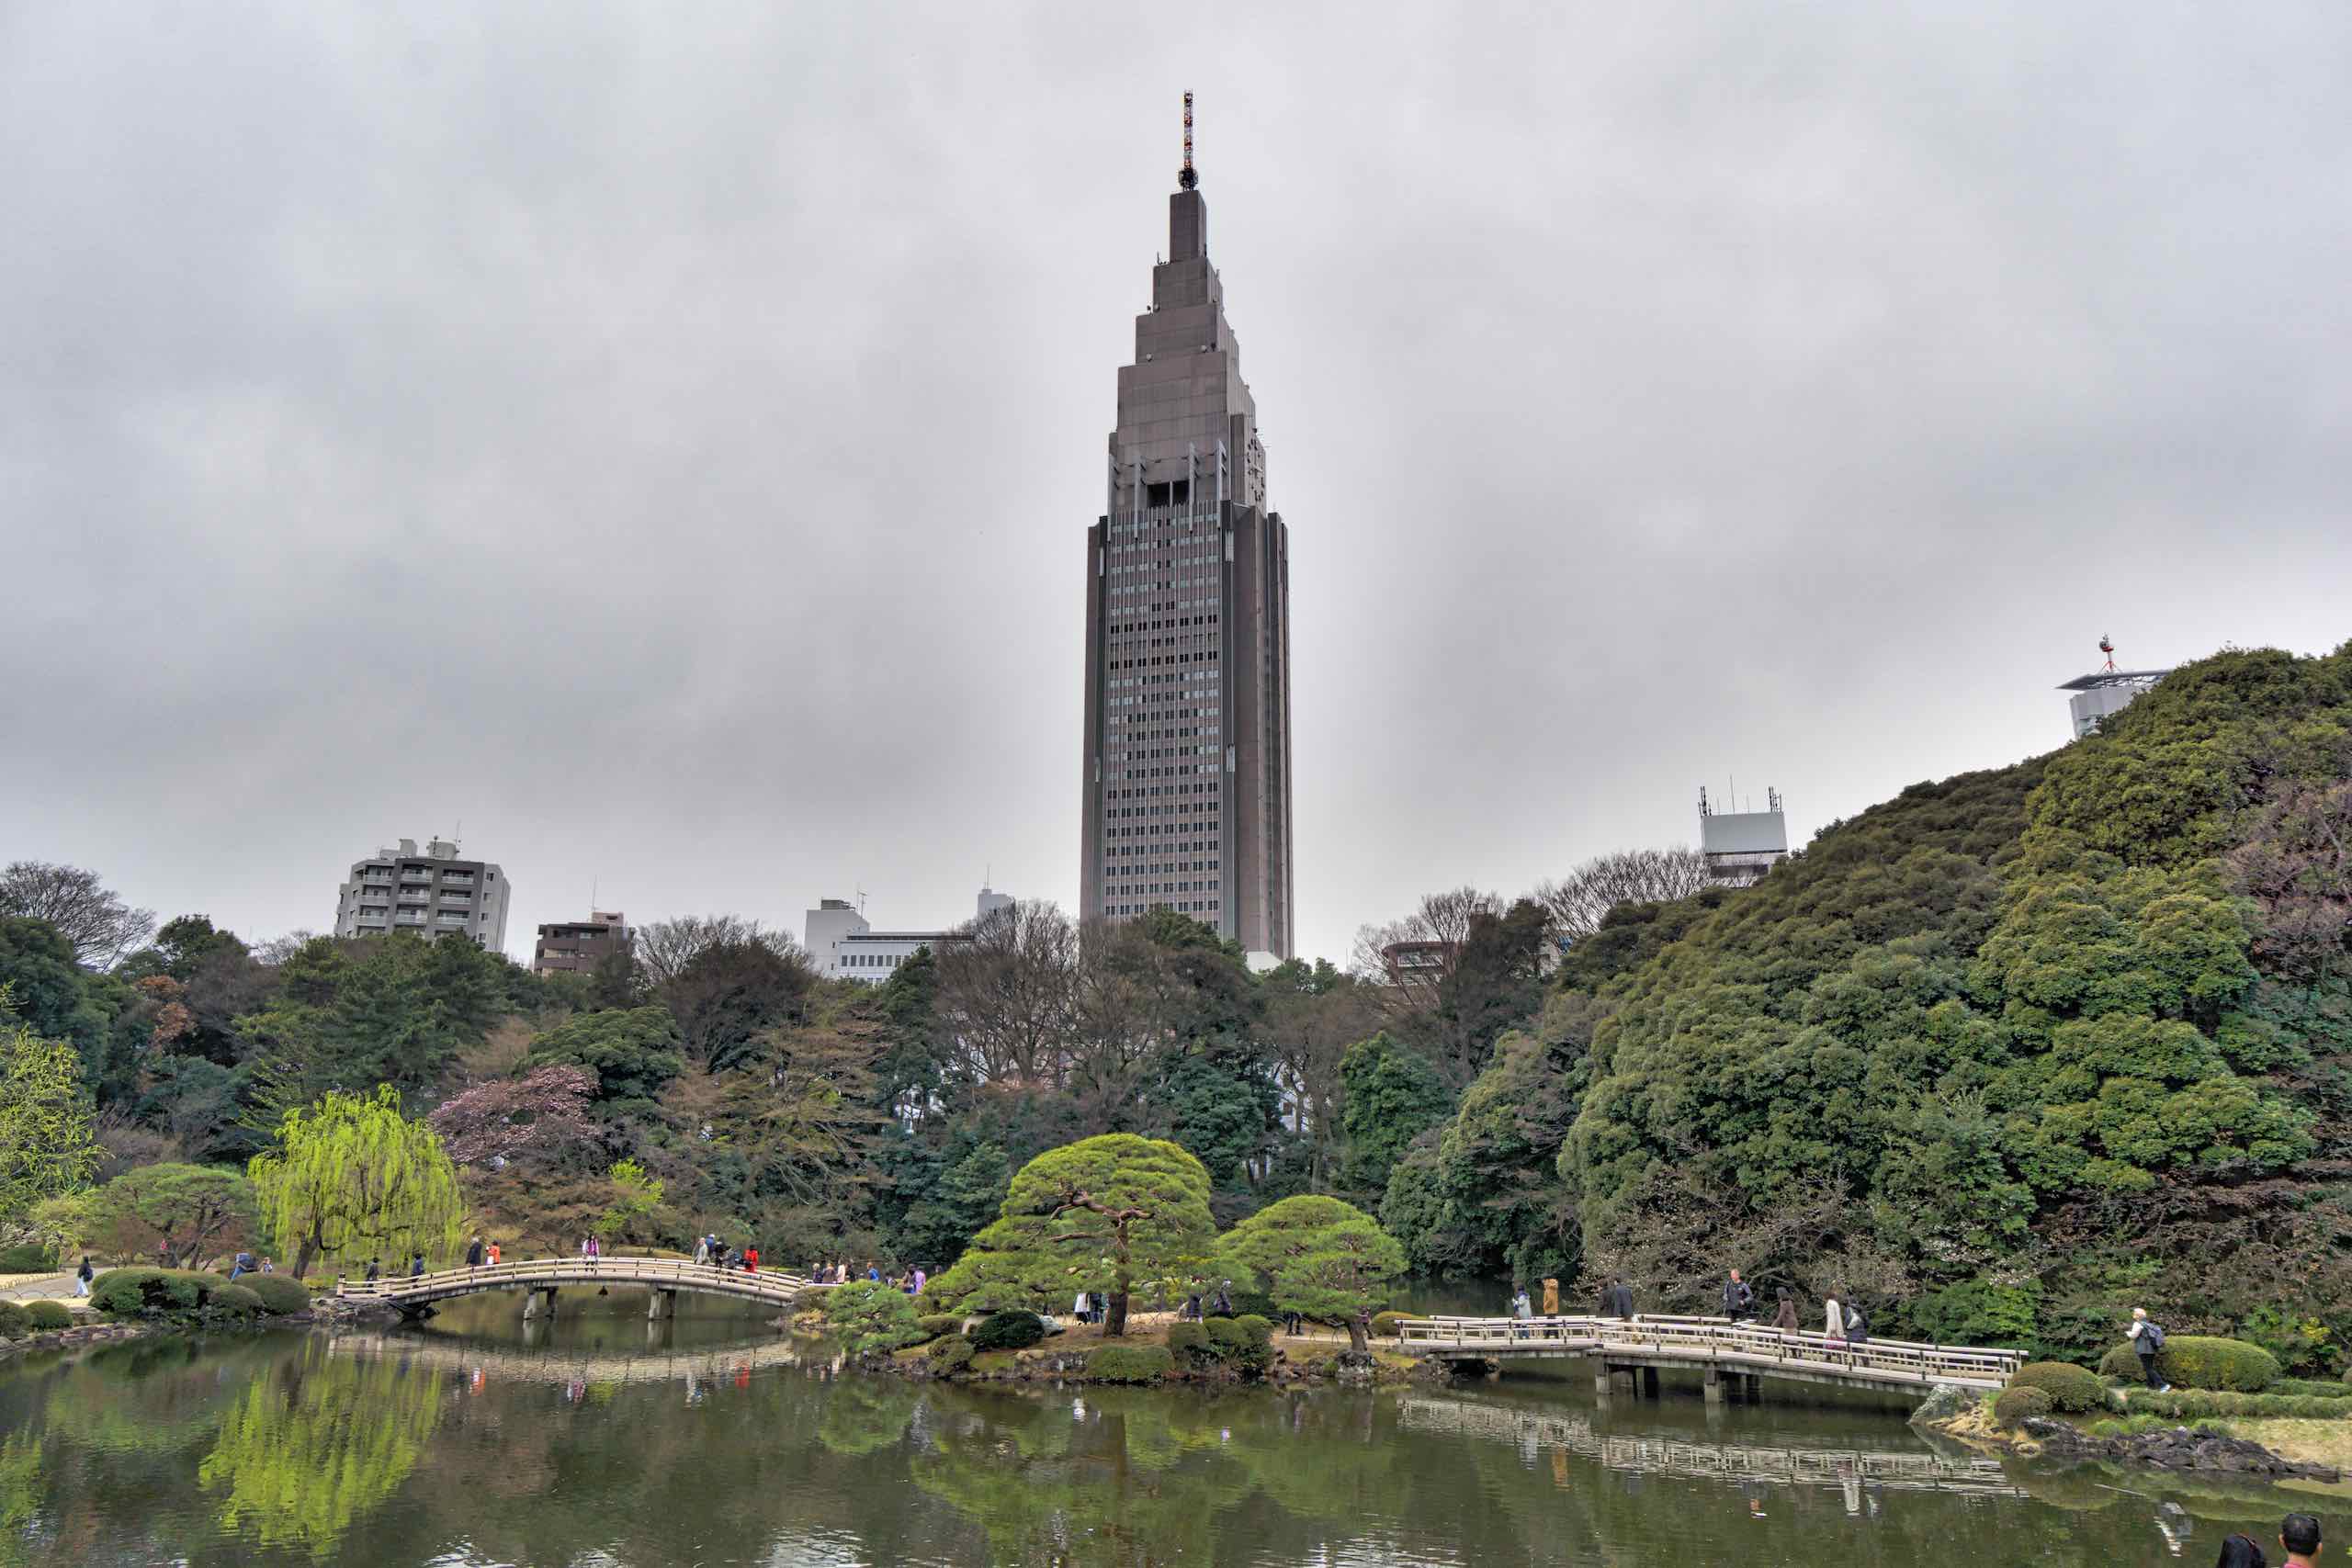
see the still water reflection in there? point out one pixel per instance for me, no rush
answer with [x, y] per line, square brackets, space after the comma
[710, 1441]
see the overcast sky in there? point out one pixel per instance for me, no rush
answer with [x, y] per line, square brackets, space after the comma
[659, 440]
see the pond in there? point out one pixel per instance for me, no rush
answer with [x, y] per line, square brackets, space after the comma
[600, 1439]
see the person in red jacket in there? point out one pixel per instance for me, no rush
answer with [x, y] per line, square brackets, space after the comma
[750, 1260]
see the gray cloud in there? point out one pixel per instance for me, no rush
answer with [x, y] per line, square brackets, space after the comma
[664, 442]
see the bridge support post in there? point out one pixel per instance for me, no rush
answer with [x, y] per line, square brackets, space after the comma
[538, 1302]
[664, 1304]
[1649, 1382]
[1755, 1382]
[1714, 1385]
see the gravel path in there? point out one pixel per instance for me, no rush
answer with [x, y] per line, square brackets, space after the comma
[42, 1288]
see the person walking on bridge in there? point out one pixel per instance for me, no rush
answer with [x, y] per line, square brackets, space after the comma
[416, 1267]
[375, 1270]
[1785, 1318]
[1617, 1300]
[1833, 1319]
[1738, 1299]
[494, 1255]
[473, 1253]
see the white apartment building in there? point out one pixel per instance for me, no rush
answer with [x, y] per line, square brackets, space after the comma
[844, 947]
[434, 893]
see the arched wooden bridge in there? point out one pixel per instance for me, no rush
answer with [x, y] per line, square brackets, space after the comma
[542, 1277]
[1726, 1351]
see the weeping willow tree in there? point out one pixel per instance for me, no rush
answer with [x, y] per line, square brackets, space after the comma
[307, 1453]
[352, 1172]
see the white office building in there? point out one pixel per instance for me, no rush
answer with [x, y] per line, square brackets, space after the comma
[434, 895]
[844, 947]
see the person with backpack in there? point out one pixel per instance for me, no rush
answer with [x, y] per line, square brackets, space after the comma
[2147, 1338]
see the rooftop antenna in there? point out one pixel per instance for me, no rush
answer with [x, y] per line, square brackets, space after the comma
[861, 900]
[1186, 176]
[2107, 646]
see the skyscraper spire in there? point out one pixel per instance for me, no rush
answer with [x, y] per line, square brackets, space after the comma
[1186, 176]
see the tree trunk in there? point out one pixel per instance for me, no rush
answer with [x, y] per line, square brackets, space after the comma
[302, 1257]
[1356, 1340]
[1115, 1325]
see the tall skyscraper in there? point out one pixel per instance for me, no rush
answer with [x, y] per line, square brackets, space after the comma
[1187, 764]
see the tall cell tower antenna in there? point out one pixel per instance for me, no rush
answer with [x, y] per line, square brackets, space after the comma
[2107, 646]
[1185, 175]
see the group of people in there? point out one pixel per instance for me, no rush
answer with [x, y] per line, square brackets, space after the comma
[415, 1267]
[2299, 1538]
[1843, 1321]
[1218, 1303]
[478, 1253]
[840, 1273]
[712, 1252]
[244, 1264]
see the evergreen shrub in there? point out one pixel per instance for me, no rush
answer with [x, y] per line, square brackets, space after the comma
[2197, 1360]
[1129, 1363]
[2310, 1388]
[48, 1316]
[1014, 1329]
[123, 1291]
[2071, 1389]
[278, 1295]
[1194, 1337]
[13, 1322]
[235, 1301]
[950, 1354]
[940, 1323]
[1261, 1331]
[26, 1258]
[2015, 1404]
[1383, 1323]
[2190, 1404]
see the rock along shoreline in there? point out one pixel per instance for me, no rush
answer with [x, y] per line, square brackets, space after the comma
[1960, 1414]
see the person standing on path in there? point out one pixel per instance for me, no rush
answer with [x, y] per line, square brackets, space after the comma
[1738, 1299]
[2147, 1338]
[1785, 1318]
[2299, 1533]
[83, 1276]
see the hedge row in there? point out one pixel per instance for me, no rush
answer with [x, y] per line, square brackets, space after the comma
[1129, 1363]
[1011, 1330]
[2187, 1404]
[124, 1293]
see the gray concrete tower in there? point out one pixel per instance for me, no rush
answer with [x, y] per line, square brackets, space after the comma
[1187, 763]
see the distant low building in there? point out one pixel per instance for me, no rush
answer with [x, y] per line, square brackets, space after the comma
[575, 947]
[434, 895]
[1418, 963]
[2105, 692]
[843, 946]
[1741, 846]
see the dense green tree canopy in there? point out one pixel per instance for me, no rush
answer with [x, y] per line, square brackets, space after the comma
[1102, 1213]
[1317, 1257]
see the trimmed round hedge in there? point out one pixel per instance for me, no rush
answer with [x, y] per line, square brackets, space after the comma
[120, 1292]
[236, 1301]
[2071, 1389]
[2015, 1405]
[1188, 1337]
[1011, 1330]
[950, 1354]
[2201, 1360]
[14, 1324]
[280, 1295]
[46, 1317]
[1129, 1363]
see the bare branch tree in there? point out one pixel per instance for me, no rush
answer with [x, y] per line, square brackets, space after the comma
[1435, 931]
[102, 928]
[279, 949]
[1007, 995]
[1578, 901]
[664, 948]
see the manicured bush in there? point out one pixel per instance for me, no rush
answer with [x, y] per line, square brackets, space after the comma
[124, 1292]
[1129, 1363]
[2198, 1361]
[950, 1354]
[1383, 1323]
[13, 1322]
[2310, 1388]
[1259, 1330]
[1233, 1335]
[279, 1295]
[235, 1301]
[2015, 1405]
[938, 1323]
[47, 1317]
[1013, 1330]
[1187, 1337]
[2071, 1389]
[26, 1258]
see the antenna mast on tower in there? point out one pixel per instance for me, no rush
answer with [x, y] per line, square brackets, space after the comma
[2107, 646]
[1185, 175]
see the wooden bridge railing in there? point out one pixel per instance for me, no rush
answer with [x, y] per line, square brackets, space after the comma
[1700, 1341]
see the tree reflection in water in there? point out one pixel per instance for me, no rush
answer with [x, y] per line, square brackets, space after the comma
[316, 1443]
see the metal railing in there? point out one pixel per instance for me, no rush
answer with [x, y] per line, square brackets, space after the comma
[1701, 1341]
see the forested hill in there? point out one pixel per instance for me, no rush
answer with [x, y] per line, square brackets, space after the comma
[2003, 1056]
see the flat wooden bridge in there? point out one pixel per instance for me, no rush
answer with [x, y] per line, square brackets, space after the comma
[541, 1278]
[1731, 1354]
